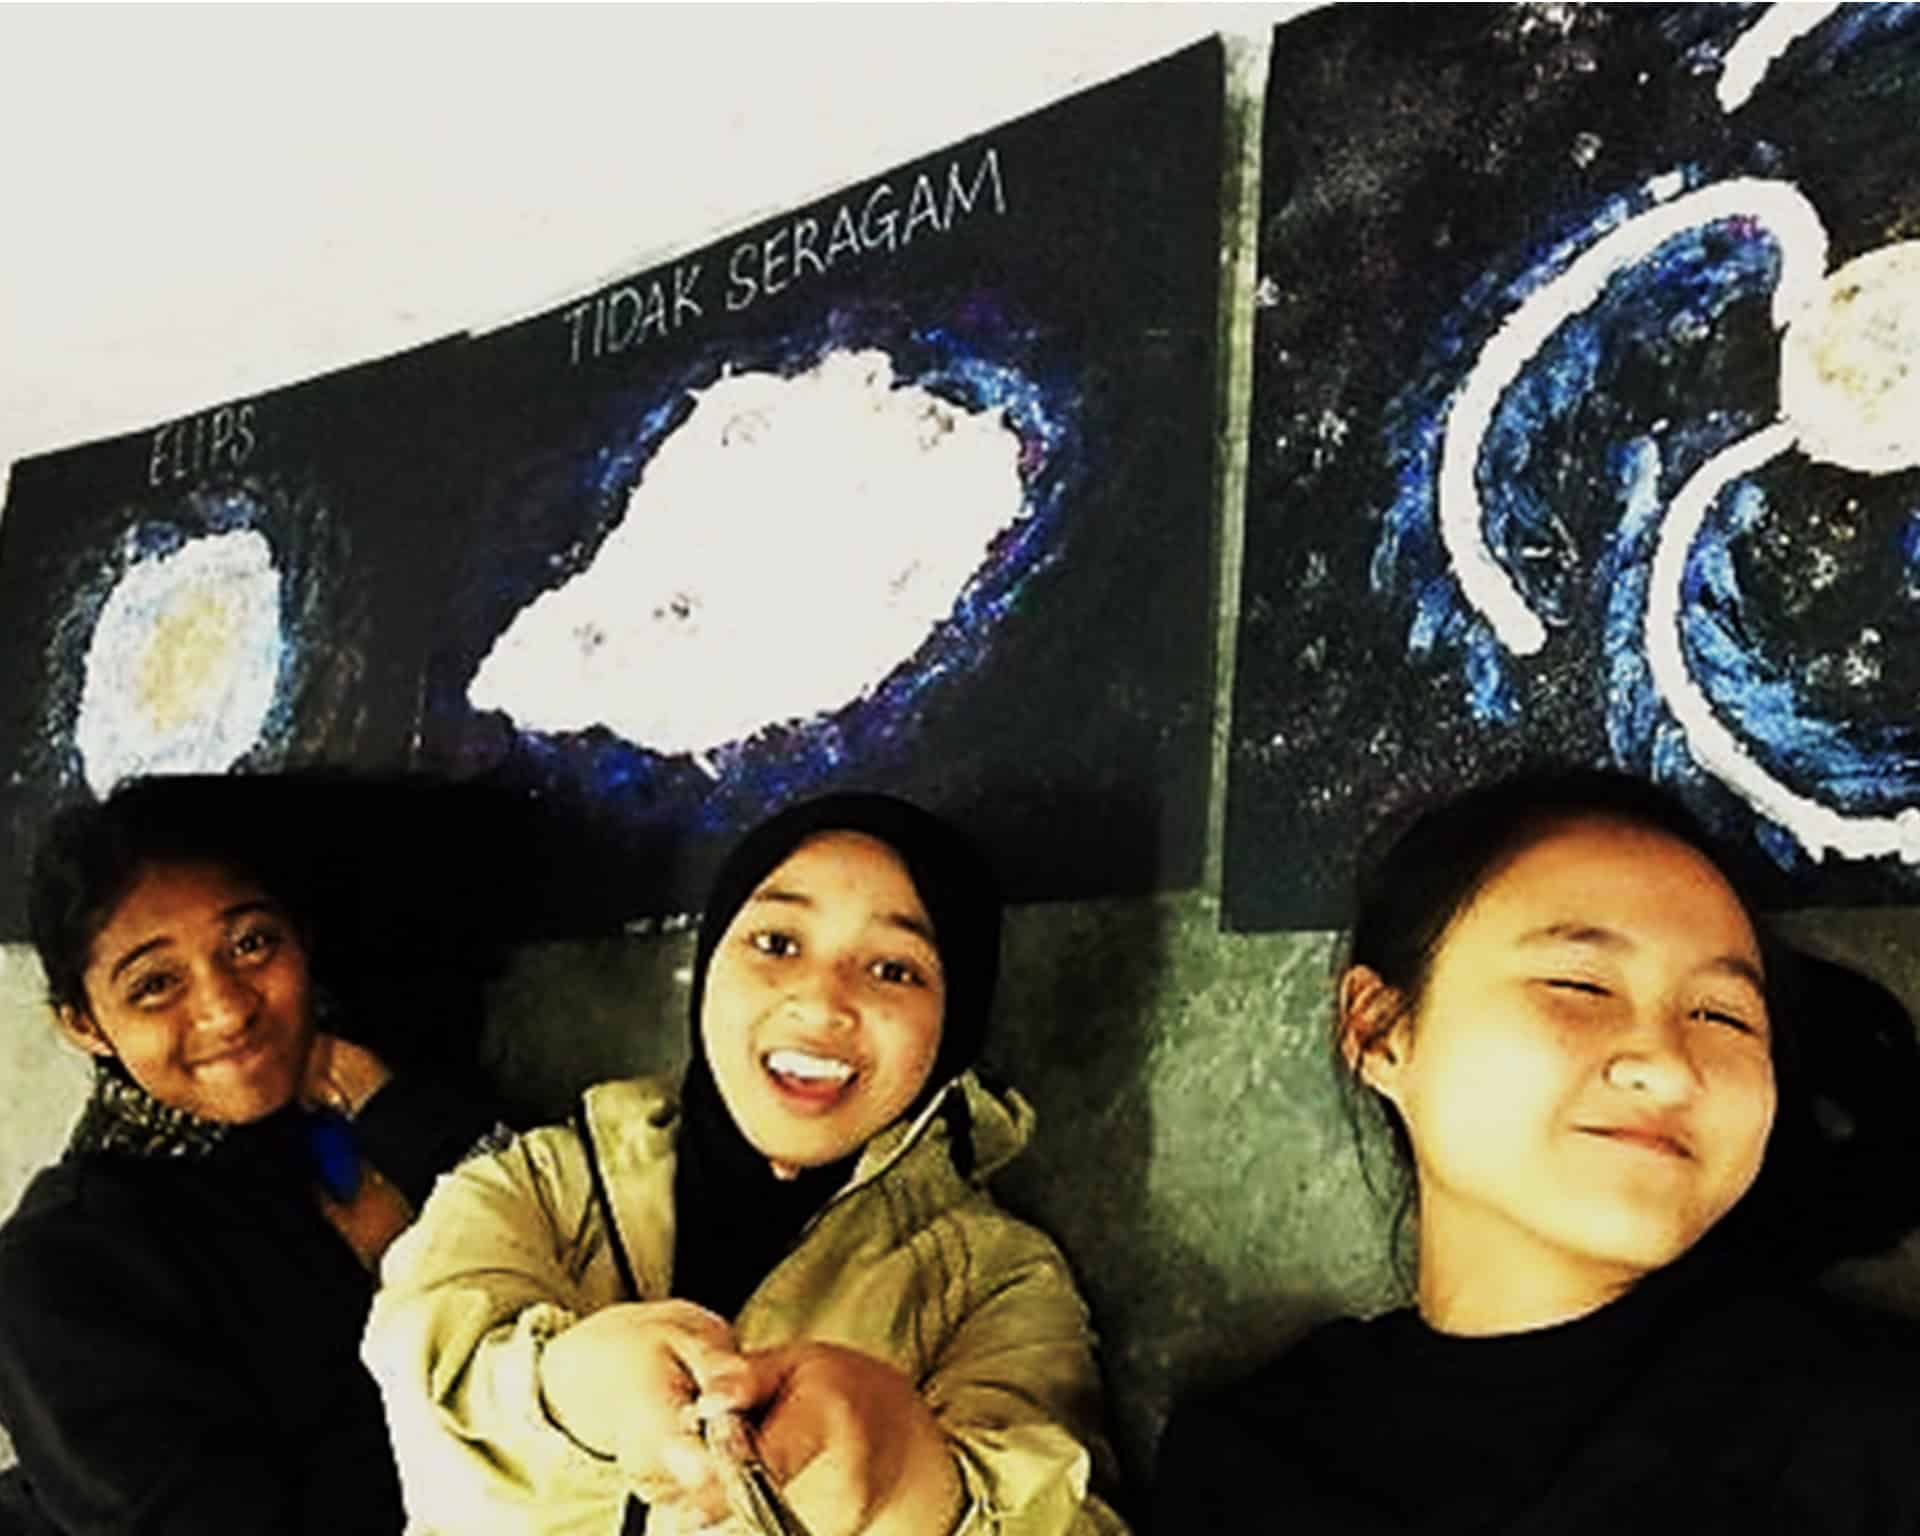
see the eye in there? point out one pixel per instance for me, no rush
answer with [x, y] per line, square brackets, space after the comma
[775, 942]
[1576, 985]
[150, 988]
[899, 973]
[256, 943]
[1727, 1018]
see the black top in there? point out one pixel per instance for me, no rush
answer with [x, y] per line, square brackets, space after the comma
[180, 1336]
[1687, 1405]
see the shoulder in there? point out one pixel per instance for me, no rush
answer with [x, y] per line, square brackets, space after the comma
[643, 1111]
[80, 1201]
[550, 1166]
[1329, 1359]
[1812, 1338]
[98, 1238]
[1005, 1252]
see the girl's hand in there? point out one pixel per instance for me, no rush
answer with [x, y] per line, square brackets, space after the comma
[623, 1382]
[849, 1441]
[341, 1076]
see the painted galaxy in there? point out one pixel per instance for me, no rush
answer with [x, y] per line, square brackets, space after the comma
[906, 488]
[235, 591]
[1586, 425]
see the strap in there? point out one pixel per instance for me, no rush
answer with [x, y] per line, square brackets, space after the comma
[620, 1262]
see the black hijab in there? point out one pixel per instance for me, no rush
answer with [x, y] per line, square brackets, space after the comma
[735, 1220]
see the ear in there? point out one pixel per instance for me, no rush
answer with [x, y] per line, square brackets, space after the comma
[78, 1026]
[1373, 1029]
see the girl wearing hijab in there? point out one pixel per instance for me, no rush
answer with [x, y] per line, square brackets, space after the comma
[800, 1235]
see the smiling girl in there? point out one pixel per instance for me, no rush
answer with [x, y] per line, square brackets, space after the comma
[182, 1294]
[1557, 996]
[800, 1234]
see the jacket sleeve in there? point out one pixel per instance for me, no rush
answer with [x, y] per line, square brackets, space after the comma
[1017, 1390]
[494, 1267]
[125, 1422]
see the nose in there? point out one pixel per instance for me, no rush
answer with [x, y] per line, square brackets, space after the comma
[226, 1003]
[820, 996]
[1654, 1061]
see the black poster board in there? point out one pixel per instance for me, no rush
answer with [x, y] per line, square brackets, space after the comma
[1579, 430]
[242, 589]
[705, 492]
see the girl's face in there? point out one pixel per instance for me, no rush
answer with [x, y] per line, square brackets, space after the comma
[824, 998]
[1588, 1080]
[198, 983]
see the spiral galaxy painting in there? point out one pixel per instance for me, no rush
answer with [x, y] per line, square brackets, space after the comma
[1586, 425]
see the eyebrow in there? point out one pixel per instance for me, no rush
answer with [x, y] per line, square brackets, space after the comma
[906, 921]
[161, 941]
[1593, 936]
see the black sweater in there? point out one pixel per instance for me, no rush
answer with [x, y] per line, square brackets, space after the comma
[1688, 1405]
[179, 1337]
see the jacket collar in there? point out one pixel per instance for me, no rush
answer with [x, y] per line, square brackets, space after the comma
[634, 1122]
[1002, 1127]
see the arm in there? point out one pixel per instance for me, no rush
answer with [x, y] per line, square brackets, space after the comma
[1000, 1436]
[514, 1377]
[470, 1296]
[1017, 1391]
[129, 1417]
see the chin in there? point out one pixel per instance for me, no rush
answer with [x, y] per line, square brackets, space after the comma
[1635, 1241]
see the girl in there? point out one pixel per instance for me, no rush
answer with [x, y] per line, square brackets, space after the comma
[800, 1234]
[182, 1294]
[1558, 997]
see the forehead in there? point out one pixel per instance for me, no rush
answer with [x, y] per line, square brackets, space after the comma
[1614, 874]
[170, 897]
[845, 865]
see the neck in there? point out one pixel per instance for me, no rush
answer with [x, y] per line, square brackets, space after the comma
[1479, 1276]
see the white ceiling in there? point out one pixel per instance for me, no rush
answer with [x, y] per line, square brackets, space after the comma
[198, 202]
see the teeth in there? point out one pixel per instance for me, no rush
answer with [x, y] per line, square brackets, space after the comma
[807, 1065]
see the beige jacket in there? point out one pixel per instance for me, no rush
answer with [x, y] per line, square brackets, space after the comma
[909, 1263]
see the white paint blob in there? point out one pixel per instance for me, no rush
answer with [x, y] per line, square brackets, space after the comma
[181, 669]
[1776, 206]
[788, 546]
[1755, 51]
[1849, 396]
[1850, 367]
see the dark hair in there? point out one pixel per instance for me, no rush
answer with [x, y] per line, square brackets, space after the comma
[1418, 876]
[90, 855]
[1838, 1177]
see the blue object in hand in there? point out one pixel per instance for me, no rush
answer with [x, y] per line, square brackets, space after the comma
[333, 1152]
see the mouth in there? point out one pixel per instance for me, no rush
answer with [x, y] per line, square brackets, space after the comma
[235, 1058]
[810, 1082]
[1648, 1138]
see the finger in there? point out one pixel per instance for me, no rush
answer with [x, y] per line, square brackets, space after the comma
[691, 1318]
[696, 1487]
[676, 1517]
[684, 1460]
[737, 1382]
[711, 1370]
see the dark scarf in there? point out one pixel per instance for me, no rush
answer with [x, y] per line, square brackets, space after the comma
[121, 1117]
[734, 1220]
